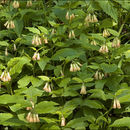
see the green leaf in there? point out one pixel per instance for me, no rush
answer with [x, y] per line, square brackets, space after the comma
[33, 30]
[67, 52]
[88, 80]
[93, 104]
[77, 123]
[16, 64]
[108, 68]
[43, 29]
[6, 98]
[127, 54]
[124, 3]
[77, 79]
[99, 84]
[123, 122]
[5, 116]
[44, 78]
[32, 92]
[97, 93]
[109, 9]
[113, 32]
[27, 79]
[18, 27]
[64, 82]
[98, 36]
[4, 43]
[46, 107]
[42, 63]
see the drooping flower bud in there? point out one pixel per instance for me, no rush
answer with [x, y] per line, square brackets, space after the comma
[15, 4]
[88, 18]
[116, 43]
[53, 31]
[15, 47]
[6, 51]
[94, 19]
[103, 49]
[37, 118]
[67, 16]
[38, 56]
[83, 89]
[98, 75]
[28, 108]
[47, 88]
[75, 67]
[62, 121]
[9, 24]
[45, 41]
[5, 76]
[62, 74]
[116, 104]
[72, 16]
[34, 56]
[29, 3]
[71, 34]
[93, 43]
[12, 24]
[36, 40]
[106, 33]
[3, 1]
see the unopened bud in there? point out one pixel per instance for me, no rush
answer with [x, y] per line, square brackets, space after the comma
[6, 51]
[16, 4]
[83, 89]
[29, 3]
[67, 16]
[62, 121]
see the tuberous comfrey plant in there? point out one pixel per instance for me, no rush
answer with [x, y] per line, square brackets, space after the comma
[71, 58]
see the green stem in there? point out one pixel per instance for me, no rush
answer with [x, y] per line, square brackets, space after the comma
[121, 28]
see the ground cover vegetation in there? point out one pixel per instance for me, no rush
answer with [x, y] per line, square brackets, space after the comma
[64, 64]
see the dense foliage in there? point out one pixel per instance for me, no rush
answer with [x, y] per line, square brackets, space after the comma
[65, 64]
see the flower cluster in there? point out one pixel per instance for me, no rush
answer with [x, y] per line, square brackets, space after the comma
[103, 49]
[62, 121]
[36, 56]
[47, 87]
[36, 40]
[5, 76]
[32, 117]
[93, 42]
[106, 33]
[83, 89]
[69, 17]
[15, 4]
[116, 104]
[9, 24]
[3, 1]
[98, 75]
[29, 3]
[90, 19]
[45, 40]
[116, 43]
[71, 34]
[75, 67]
